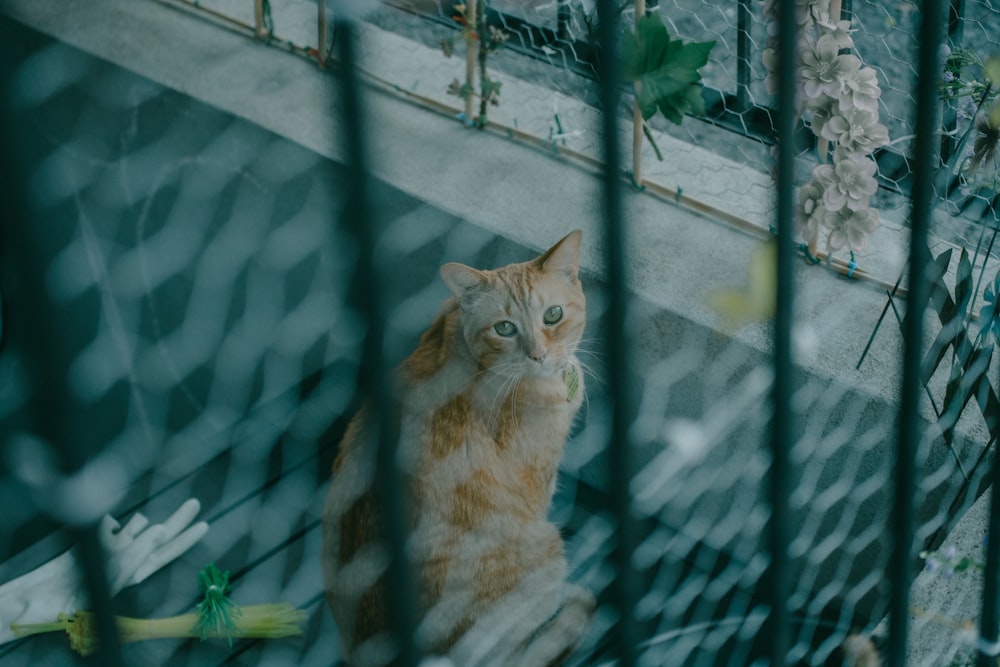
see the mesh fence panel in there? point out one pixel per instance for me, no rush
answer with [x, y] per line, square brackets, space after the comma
[202, 289]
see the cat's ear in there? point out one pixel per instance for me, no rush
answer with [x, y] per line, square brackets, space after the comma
[462, 280]
[564, 256]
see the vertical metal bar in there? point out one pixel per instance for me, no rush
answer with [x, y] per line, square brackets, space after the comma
[625, 590]
[35, 325]
[901, 559]
[389, 482]
[781, 425]
[846, 10]
[743, 45]
[989, 628]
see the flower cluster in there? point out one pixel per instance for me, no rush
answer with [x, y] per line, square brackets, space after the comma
[838, 96]
[948, 562]
[970, 87]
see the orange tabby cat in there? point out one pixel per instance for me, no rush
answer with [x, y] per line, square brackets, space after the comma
[486, 402]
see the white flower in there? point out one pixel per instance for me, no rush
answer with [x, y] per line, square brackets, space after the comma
[822, 109]
[810, 212]
[839, 30]
[855, 131]
[849, 181]
[823, 67]
[859, 90]
[851, 228]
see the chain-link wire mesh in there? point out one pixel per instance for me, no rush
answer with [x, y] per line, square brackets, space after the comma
[205, 325]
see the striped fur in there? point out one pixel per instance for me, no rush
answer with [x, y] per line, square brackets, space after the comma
[483, 421]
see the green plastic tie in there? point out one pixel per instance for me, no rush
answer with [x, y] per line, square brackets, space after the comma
[804, 249]
[639, 187]
[216, 612]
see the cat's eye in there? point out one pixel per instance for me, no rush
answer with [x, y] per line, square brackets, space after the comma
[505, 328]
[552, 315]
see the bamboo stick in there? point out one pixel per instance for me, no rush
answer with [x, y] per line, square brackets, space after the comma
[321, 34]
[637, 121]
[258, 19]
[471, 55]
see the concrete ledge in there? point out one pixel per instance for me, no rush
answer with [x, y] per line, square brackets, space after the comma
[678, 257]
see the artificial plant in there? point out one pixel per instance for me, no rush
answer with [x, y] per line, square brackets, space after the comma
[666, 76]
[481, 39]
[838, 97]
[971, 87]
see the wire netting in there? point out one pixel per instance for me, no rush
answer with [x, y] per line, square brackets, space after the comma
[198, 333]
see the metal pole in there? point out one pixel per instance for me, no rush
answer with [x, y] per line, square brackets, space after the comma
[625, 590]
[990, 621]
[34, 328]
[389, 481]
[781, 425]
[922, 201]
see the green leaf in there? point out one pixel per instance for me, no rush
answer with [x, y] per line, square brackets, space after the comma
[951, 390]
[687, 101]
[665, 69]
[936, 277]
[963, 284]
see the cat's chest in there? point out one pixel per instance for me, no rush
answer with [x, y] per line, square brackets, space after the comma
[536, 413]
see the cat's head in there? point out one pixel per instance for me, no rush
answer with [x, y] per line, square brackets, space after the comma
[523, 319]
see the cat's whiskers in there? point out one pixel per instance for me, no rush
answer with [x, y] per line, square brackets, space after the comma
[496, 404]
[586, 367]
[514, 414]
[582, 349]
[510, 394]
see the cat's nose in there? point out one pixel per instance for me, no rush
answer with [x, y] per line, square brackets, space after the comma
[536, 349]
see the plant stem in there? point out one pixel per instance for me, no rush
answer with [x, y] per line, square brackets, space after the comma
[265, 621]
[652, 141]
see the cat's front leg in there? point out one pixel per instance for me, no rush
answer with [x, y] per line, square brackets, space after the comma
[537, 625]
[559, 637]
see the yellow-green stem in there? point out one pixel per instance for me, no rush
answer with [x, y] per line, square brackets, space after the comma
[263, 621]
